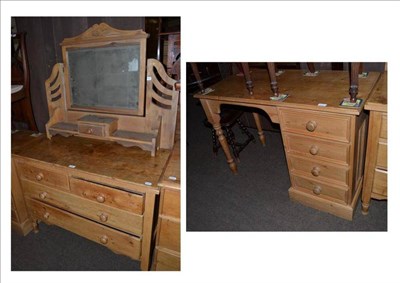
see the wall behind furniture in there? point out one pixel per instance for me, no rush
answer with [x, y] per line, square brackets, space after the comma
[43, 38]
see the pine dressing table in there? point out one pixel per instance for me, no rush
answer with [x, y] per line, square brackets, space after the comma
[324, 142]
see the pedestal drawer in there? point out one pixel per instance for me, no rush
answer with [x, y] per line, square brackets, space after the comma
[123, 220]
[317, 148]
[171, 203]
[112, 197]
[317, 170]
[117, 241]
[170, 236]
[380, 183]
[167, 260]
[42, 174]
[381, 159]
[317, 124]
[321, 189]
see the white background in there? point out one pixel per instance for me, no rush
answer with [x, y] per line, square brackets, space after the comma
[247, 31]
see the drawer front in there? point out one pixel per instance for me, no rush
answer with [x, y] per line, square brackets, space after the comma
[117, 241]
[321, 189]
[171, 203]
[108, 196]
[42, 174]
[383, 132]
[381, 160]
[126, 221]
[317, 124]
[169, 234]
[380, 182]
[319, 171]
[317, 148]
[167, 261]
[94, 130]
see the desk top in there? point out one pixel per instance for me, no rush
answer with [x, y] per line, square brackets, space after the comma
[378, 99]
[329, 87]
[172, 175]
[98, 157]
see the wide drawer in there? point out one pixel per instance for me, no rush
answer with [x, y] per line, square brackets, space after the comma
[317, 170]
[169, 234]
[170, 203]
[317, 124]
[317, 148]
[123, 220]
[321, 189]
[380, 183]
[109, 196]
[117, 241]
[167, 260]
[381, 160]
[42, 174]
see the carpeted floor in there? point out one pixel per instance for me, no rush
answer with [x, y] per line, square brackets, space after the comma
[257, 198]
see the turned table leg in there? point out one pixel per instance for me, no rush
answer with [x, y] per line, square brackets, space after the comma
[355, 68]
[249, 82]
[272, 77]
[212, 110]
[260, 131]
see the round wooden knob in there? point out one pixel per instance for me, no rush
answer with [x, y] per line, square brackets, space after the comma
[103, 217]
[90, 131]
[100, 198]
[39, 176]
[311, 126]
[314, 150]
[317, 190]
[315, 171]
[43, 195]
[104, 239]
[46, 215]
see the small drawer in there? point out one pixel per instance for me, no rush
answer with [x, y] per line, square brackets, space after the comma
[117, 241]
[167, 260]
[117, 218]
[93, 130]
[42, 174]
[171, 203]
[321, 189]
[317, 148]
[109, 196]
[169, 234]
[381, 160]
[383, 132]
[317, 170]
[380, 183]
[316, 124]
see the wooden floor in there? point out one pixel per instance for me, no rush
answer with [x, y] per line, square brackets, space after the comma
[329, 87]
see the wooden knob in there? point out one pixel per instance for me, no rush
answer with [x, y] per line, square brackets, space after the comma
[315, 171]
[39, 176]
[100, 198]
[103, 217]
[311, 126]
[314, 150]
[104, 239]
[46, 215]
[43, 195]
[317, 190]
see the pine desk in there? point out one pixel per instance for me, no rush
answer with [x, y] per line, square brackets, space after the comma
[324, 145]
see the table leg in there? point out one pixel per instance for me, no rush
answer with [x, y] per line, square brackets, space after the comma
[259, 128]
[272, 77]
[249, 82]
[212, 110]
[355, 68]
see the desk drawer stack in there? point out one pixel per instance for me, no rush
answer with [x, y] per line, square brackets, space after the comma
[101, 200]
[167, 252]
[325, 152]
[376, 162]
